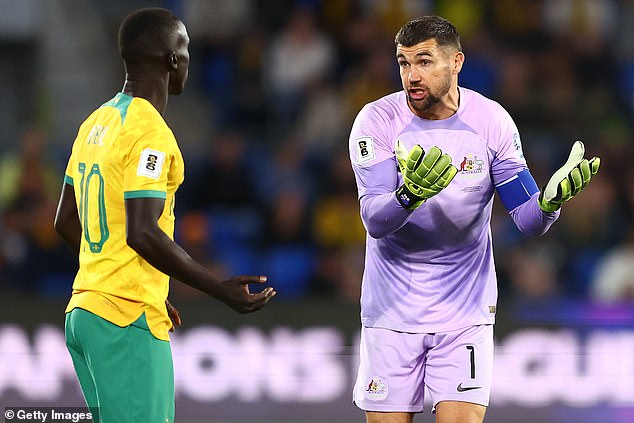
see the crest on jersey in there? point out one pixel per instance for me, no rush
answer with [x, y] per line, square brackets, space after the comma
[151, 163]
[471, 164]
[365, 149]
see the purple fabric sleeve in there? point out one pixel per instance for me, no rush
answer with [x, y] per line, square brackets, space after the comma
[530, 219]
[381, 212]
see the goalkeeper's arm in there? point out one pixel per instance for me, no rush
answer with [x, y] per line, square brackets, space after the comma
[533, 211]
[383, 212]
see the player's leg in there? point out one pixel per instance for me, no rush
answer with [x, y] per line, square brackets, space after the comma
[459, 372]
[376, 417]
[71, 326]
[154, 384]
[143, 377]
[459, 412]
[131, 369]
[104, 347]
[390, 380]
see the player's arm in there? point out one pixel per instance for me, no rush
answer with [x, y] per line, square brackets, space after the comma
[384, 208]
[381, 212]
[519, 195]
[145, 237]
[374, 167]
[67, 219]
[387, 204]
[533, 211]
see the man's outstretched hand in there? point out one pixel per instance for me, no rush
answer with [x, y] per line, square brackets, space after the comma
[236, 294]
[569, 180]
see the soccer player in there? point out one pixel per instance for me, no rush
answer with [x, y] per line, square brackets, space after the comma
[116, 212]
[429, 287]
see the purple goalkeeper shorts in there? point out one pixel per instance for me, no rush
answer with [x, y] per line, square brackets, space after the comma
[396, 367]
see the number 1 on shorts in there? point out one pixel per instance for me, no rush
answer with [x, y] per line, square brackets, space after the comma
[471, 349]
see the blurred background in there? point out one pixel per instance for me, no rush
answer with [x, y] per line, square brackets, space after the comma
[263, 125]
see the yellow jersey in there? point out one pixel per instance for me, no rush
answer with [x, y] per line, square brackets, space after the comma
[123, 150]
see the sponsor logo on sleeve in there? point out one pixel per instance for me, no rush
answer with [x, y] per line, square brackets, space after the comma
[365, 149]
[151, 163]
[517, 143]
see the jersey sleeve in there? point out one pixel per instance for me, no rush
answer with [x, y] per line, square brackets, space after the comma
[147, 167]
[374, 166]
[513, 181]
[369, 145]
[68, 174]
[508, 159]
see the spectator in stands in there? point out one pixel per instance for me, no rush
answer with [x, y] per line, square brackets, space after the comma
[613, 280]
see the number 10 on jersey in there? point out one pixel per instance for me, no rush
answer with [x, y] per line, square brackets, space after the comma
[92, 207]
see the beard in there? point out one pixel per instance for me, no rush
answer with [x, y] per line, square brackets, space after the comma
[432, 98]
[423, 105]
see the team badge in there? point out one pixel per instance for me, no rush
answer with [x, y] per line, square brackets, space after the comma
[377, 389]
[471, 164]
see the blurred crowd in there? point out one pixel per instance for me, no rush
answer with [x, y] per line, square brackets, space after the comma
[273, 193]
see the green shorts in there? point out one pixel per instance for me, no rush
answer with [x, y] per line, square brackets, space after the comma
[126, 374]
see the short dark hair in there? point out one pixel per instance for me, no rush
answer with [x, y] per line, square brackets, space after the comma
[427, 28]
[146, 32]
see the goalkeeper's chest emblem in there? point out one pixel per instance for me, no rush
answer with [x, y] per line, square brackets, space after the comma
[471, 164]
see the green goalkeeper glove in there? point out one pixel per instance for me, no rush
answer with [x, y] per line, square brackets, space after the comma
[569, 180]
[424, 175]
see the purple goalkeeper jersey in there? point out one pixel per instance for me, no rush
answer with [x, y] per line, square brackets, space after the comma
[431, 269]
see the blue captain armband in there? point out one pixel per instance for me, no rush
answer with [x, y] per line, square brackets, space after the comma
[517, 190]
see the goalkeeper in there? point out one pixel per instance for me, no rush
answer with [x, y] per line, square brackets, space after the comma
[427, 162]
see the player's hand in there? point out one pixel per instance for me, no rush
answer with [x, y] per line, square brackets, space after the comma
[236, 294]
[174, 315]
[424, 175]
[569, 180]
